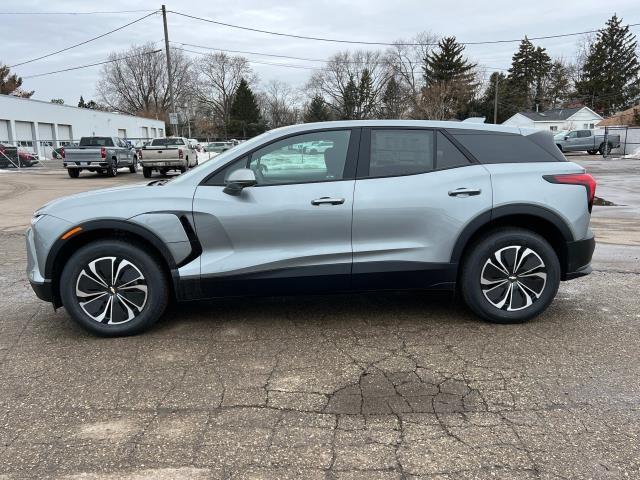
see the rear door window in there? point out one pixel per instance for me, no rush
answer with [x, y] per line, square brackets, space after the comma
[396, 152]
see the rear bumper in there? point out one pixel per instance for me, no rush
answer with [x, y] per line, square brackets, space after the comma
[88, 164]
[163, 163]
[578, 258]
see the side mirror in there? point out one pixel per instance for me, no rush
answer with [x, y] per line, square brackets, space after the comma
[239, 179]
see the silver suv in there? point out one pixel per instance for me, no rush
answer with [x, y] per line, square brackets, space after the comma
[495, 213]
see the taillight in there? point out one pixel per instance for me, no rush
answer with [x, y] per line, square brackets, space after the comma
[584, 179]
[180, 153]
[62, 152]
[103, 152]
[139, 154]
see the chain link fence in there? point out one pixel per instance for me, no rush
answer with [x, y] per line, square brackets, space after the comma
[629, 141]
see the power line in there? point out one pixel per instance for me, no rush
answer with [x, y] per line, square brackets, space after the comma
[303, 67]
[92, 64]
[289, 57]
[83, 43]
[361, 42]
[77, 13]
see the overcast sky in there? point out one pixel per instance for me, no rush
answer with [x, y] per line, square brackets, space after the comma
[23, 37]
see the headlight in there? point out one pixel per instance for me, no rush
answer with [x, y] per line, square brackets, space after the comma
[36, 217]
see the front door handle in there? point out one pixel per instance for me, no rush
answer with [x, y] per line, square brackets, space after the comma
[464, 192]
[327, 201]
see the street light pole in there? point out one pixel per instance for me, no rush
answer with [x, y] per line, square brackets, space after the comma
[169, 73]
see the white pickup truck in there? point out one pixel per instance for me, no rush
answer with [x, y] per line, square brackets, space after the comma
[164, 154]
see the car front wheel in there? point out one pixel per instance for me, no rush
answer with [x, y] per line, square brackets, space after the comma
[114, 288]
[510, 276]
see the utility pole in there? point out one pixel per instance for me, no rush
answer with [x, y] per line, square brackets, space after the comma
[173, 114]
[495, 101]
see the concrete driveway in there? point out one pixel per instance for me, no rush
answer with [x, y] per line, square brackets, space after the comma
[372, 386]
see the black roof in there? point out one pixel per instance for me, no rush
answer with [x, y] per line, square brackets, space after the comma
[555, 114]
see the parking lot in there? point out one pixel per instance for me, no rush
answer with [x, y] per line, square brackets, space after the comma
[367, 386]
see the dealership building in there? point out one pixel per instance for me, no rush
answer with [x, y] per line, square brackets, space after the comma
[41, 126]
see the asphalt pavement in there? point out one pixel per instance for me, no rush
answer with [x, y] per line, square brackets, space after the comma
[368, 386]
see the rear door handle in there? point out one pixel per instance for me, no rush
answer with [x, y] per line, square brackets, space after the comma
[327, 201]
[464, 192]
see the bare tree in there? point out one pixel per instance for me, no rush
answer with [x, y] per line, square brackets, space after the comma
[353, 83]
[219, 75]
[136, 82]
[279, 102]
[406, 62]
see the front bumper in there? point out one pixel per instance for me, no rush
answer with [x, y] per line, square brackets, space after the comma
[578, 258]
[41, 286]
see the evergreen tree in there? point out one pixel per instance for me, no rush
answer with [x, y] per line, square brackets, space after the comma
[392, 101]
[317, 110]
[349, 100]
[81, 103]
[366, 97]
[245, 113]
[486, 104]
[558, 85]
[449, 79]
[447, 63]
[610, 77]
[530, 66]
[11, 84]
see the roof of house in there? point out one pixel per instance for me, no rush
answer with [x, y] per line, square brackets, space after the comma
[556, 114]
[626, 117]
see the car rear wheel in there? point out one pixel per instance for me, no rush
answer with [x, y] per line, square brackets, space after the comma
[112, 170]
[113, 288]
[134, 166]
[147, 172]
[73, 172]
[510, 276]
[605, 149]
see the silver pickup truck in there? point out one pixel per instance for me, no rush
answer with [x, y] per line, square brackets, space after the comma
[586, 141]
[170, 153]
[100, 154]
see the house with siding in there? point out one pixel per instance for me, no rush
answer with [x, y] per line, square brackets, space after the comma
[556, 119]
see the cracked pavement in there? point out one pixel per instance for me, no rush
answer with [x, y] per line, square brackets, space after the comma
[369, 386]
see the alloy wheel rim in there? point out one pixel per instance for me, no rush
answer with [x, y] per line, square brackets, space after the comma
[513, 278]
[111, 290]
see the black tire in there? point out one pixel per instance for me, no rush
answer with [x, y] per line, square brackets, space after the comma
[476, 268]
[147, 172]
[152, 307]
[73, 172]
[134, 166]
[183, 169]
[605, 148]
[592, 152]
[112, 170]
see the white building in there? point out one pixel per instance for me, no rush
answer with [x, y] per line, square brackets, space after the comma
[557, 119]
[41, 126]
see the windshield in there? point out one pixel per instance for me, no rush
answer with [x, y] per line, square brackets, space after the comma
[166, 142]
[96, 142]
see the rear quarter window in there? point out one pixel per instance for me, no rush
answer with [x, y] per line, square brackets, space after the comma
[500, 147]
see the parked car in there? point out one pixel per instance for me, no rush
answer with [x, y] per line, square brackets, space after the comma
[586, 141]
[104, 155]
[8, 157]
[165, 154]
[494, 212]
[218, 147]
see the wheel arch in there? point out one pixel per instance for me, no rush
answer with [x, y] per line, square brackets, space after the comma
[62, 250]
[538, 219]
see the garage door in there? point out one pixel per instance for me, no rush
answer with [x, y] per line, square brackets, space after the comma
[144, 132]
[45, 135]
[4, 131]
[24, 135]
[122, 132]
[64, 134]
